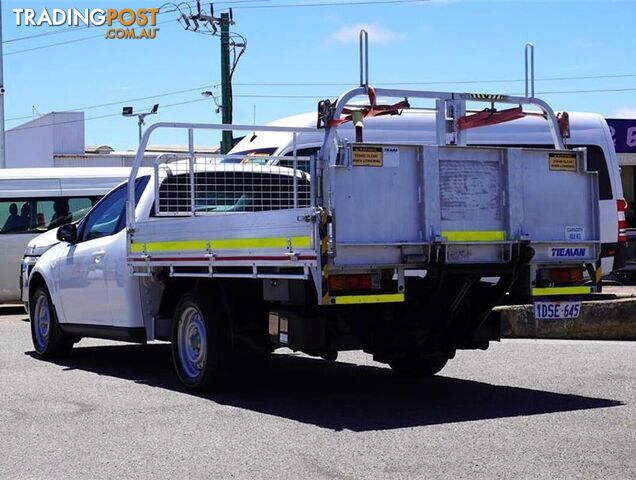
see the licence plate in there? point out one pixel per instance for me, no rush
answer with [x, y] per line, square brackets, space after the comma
[556, 310]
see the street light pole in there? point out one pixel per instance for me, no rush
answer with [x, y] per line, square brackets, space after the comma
[141, 117]
[140, 123]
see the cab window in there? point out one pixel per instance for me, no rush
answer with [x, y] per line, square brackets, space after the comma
[596, 162]
[257, 156]
[107, 218]
[301, 164]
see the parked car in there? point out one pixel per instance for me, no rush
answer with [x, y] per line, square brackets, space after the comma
[33, 201]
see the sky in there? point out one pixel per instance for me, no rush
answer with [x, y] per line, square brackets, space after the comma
[585, 58]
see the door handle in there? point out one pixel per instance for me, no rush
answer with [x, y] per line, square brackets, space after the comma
[98, 255]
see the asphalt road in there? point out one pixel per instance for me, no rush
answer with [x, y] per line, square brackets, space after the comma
[522, 409]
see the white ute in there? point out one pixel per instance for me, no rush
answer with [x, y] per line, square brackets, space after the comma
[379, 245]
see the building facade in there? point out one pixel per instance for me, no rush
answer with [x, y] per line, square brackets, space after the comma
[57, 139]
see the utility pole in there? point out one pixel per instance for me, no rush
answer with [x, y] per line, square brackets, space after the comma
[214, 24]
[3, 160]
[226, 83]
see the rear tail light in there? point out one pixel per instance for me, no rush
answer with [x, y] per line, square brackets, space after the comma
[566, 275]
[348, 283]
[621, 206]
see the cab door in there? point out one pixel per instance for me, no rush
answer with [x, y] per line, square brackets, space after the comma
[83, 269]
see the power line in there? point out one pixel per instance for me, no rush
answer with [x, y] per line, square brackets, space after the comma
[120, 102]
[99, 117]
[438, 82]
[101, 35]
[607, 90]
[80, 28]
[44, 34]
[188, 4]
[330, 4]
[66, 42]
[202, 87]
[187, 102]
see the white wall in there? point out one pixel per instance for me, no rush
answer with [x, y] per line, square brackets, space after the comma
[57, 140]
[33, 144]
[102, 160]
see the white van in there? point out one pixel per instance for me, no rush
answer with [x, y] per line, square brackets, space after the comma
[35, 200]
[418, 126]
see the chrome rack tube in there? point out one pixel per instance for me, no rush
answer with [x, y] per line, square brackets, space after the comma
[530, 50]
[364, 58]
[139, 157]
[347, 96]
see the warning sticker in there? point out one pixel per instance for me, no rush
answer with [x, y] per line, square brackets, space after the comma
[564, 162]
[366, 156]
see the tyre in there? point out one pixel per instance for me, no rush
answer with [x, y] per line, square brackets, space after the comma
[201, 340]
[48, 339]
[415, 365]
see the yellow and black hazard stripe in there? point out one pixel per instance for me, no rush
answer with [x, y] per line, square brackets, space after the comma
[486, 96]
[324, 256]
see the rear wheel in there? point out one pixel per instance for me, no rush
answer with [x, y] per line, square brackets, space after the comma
[48, 339]
[201, 341]
[416, 365]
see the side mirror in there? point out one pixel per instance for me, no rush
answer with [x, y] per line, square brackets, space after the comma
[67, 233]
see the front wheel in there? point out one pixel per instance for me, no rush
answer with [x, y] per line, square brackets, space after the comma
[201, 341]
[415, 365]
[48, 339]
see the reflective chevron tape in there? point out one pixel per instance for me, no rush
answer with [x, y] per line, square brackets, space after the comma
[475, 236]
[486, 96]
[353, 299]
[223, 244]
[539, 292]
